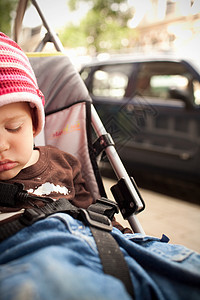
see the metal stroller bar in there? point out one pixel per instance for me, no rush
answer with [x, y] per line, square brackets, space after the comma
[119, 170]
[51, 36]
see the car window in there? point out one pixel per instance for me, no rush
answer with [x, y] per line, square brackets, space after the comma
[163, 86]
[167, 81]
[111, 80]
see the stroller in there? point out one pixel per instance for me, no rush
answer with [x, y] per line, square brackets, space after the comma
[70, 116]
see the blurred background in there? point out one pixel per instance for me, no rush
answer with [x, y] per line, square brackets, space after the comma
[99, 29]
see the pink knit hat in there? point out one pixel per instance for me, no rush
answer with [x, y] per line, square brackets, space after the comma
[17, 79]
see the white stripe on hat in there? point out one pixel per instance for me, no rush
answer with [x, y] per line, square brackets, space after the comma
[19, 67]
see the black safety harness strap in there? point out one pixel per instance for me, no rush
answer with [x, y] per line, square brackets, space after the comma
[98, 217]
[112, 259]
[10, 228]
[32, 215]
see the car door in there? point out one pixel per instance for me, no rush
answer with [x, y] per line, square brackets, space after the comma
[171, 134]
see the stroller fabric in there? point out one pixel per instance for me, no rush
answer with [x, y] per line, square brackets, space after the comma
[68, 115]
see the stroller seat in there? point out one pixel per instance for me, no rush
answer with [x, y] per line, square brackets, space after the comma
[67, 110]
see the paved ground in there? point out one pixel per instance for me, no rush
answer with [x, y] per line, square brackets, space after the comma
[179, 220]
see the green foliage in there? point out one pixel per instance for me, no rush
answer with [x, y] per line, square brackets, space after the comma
[6, 8]
[103, 28]
[72, 36]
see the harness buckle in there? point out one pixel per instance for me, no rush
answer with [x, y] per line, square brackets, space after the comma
[31, 215]
[96, 220]
[105, 207]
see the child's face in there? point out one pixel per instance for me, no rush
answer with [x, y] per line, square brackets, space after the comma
[16, 139]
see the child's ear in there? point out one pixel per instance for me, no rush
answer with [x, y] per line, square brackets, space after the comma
[34, 131]
[34, 119]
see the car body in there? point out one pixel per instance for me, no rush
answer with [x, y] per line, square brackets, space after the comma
[151, 107]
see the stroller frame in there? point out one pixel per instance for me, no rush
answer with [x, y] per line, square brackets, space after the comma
[134, 204]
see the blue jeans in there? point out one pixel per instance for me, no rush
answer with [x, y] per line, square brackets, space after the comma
[57, 258]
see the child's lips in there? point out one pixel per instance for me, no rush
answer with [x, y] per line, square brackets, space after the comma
[6, 165]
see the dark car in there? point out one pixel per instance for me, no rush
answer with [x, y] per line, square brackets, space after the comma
[151, 107]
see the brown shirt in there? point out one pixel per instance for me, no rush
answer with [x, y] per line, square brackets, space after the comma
[57, 175]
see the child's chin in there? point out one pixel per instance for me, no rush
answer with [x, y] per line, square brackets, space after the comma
[7, 175]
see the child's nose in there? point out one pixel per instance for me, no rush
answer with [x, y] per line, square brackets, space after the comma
[3, 143]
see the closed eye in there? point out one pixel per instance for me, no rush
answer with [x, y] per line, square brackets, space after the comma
[16, 129]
